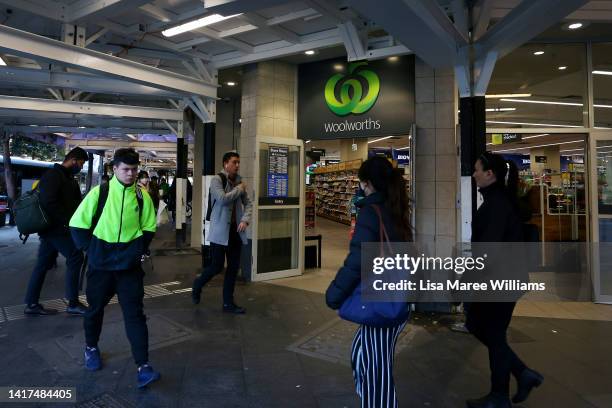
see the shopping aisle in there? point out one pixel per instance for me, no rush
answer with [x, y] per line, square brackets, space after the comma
[335, 243]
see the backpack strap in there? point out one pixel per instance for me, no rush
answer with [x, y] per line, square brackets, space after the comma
[140, 200]
[104, 188]
[210, 204]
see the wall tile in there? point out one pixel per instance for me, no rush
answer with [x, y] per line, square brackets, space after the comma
[424, 90]
[425, 115]
[425, 141]
[445, 115]
[425, 221]
[421, 69]
[445, 194]
[425, 168]
[283, 128]
[445, 221]
[445, 141]
[265, 106]
[445, 89]
[446, 168]
[445, 245]
[265, 126]
[283, 90]
[425, 194]
[283, 109]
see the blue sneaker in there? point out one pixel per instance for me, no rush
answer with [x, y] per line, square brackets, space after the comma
[147, 375]
[93, 362]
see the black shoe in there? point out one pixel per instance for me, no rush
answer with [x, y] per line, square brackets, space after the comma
[38, 309]
[195, 294]
[528, 380]
[492, 400]
[77, 309]
[233, 308]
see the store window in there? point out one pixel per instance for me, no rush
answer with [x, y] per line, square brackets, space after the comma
[602, 84]
[539, 85]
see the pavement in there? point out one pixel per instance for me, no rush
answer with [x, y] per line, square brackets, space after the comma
[289, 350]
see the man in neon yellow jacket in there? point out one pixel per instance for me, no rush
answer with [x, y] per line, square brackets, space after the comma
[115, 245]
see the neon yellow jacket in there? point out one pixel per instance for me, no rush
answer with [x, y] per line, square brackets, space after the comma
[120, 237]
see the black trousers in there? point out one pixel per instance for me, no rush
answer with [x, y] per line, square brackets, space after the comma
[218, 255]
[49, 246]
[128, 285]
[489, 323]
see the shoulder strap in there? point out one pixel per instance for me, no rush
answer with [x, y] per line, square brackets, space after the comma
[104, 188]
[140, 200]
[383, 231]
[223, 179]
[210, 204]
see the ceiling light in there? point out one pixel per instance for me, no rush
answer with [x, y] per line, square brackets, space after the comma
[378, 140]
[599, 72]
[538, 53]
[571, 150]
[2, 63]
[194, 25]
[532, 124]
[562, 68]
[574, 26]
[531, 137]
[541, 102]
[500, 109]
[517, 95]
[546, 145]
[393, 59]
[308, 141]
[309, 52]
[403, 148]
[230, 83]
[338, 67]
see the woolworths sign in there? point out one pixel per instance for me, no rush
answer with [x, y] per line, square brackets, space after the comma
[337, 99]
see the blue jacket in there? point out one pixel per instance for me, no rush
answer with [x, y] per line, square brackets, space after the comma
[366, 230]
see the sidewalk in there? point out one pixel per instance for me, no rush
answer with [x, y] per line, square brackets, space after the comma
[289, 350]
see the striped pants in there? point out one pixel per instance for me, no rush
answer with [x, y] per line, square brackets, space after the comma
[372, 360]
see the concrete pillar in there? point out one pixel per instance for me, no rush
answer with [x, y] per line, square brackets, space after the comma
[198, 164]
[436, 173]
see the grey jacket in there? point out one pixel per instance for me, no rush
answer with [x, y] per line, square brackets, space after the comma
[222, 202]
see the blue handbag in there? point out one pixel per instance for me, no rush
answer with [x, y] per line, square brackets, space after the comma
[376, 314]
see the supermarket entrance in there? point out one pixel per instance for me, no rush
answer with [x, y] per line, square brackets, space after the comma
[331, 186]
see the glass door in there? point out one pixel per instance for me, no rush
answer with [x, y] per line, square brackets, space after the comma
[600, 165]
[278, 248]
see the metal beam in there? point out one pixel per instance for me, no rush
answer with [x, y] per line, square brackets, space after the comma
[238, 30]
[86, 108]
[42, 8]
[91, 9]
[276, 30]
[393, 51]
[483, 19]
[229, 7]
[33, 129]
[420, 25]
[186, 45]
[39, 78]
[279, 48]
[157, 13]
[38, 47]
[296, 15]
[95, 36]
[156, 146]
[354, 44]
[330, 10]
[524, 22]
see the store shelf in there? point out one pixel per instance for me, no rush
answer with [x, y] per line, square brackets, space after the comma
[335, 187]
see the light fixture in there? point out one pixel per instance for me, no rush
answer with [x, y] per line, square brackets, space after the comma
[599, 72]
[230, 83]
[538, 53]
[338, 67]
[309, 52]
[500, 109]
[574, 26]
[531, 124]
[393, 59]
[308, 141]
[540, 102]
[571, 150]
[562, 68]
[194, 25]
[2, 63]
[378, 140]
[517, 95]
[403, 148]
[546, 145]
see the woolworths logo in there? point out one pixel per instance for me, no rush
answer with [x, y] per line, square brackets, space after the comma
[355, 101]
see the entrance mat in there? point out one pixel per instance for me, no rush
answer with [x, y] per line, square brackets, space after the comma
[65, 353]
[104, 401]
[332, 341]
[175, 251]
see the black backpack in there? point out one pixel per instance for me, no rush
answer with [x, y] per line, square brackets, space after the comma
[104, 188]
[209, 207]
[30, 217]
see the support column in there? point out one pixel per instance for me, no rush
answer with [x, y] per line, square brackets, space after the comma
[181, 185]
[208, 171]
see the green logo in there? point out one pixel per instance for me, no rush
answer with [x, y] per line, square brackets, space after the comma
[352, 103]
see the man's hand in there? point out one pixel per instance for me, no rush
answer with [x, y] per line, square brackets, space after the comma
[243, 226]
[243, 186]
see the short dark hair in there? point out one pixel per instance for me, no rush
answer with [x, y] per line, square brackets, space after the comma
[128, 156]
[78, 154]
[143, 174]
[228, 156]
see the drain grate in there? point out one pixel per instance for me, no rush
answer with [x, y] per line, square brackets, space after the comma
[105, 401]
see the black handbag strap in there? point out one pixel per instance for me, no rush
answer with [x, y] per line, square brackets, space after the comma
[384, 237]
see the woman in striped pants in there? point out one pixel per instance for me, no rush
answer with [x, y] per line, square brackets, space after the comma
[384, 215]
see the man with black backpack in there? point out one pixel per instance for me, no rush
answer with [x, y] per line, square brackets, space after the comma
[59, 196]
[116, 223]
[229, 211]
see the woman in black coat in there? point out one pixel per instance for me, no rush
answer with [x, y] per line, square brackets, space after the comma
[373, 347]
[497, 220]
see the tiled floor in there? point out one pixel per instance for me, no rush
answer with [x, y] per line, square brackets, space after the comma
[289, 350]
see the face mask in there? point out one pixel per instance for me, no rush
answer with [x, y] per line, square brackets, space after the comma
[75, 169]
